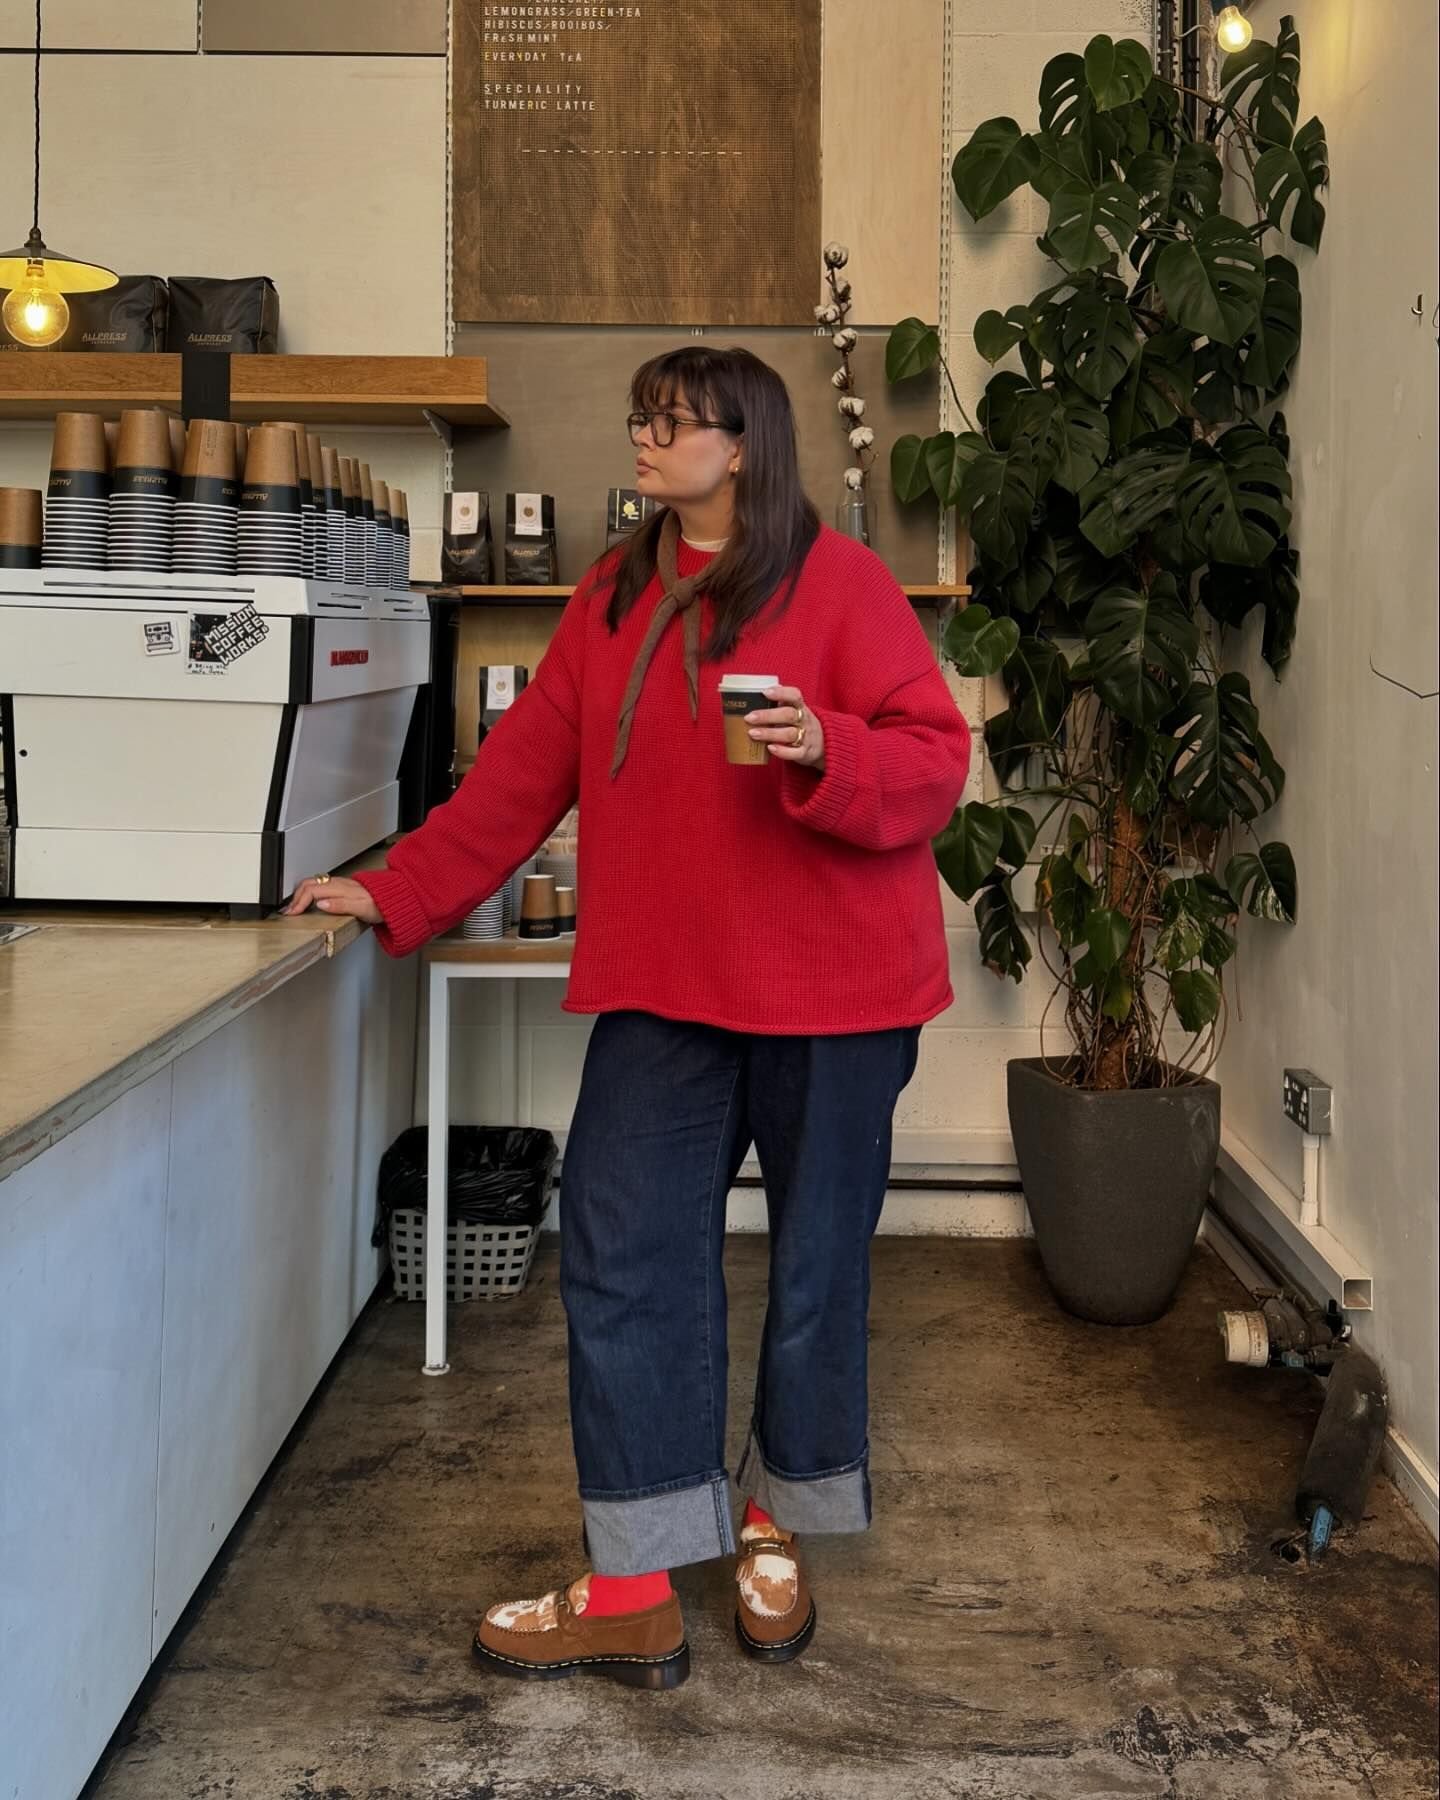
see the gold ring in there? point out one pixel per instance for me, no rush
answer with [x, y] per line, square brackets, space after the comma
[320, 879]
[800, 713]
[799, 736]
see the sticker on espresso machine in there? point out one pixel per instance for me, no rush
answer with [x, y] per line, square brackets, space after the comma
[219, 639]
[160, 637]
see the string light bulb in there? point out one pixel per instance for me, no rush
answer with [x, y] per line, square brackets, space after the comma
[35, 311]
[1233, 31]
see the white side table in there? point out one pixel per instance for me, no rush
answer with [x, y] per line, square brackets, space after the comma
[462, 959]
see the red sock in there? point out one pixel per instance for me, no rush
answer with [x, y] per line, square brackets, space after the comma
[755, 1515]
[626, 1593]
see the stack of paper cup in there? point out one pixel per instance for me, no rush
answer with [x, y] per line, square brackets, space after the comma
[77, 503]
[142, 494]
[272, 532]
[354, 522]
[334, 515]
[400, 526]
[487, 922]
[21, 516]
[384, 537]
[207, 512]
[320, 546]
[307, 496]
[367, 516]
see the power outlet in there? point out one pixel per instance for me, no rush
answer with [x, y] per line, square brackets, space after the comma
[1307, 1101]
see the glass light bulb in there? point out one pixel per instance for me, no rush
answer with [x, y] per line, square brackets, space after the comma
[35, 313]
[1233, 31]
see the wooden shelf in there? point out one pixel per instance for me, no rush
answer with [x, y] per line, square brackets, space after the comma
[927, 594]
[313, 390]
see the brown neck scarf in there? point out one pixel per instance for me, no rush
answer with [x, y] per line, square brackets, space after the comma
[678, 595]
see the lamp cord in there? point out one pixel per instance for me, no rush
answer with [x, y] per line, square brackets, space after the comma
[36, 221]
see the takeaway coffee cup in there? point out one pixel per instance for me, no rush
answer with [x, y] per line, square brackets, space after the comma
[77, 502]
[20, 510]
[334, 515]
[565, 911]
[207, 512]
[142, 493]
[538, 912]
[400, 539]
[307, 494]
[741, 694]
[272, 531]
[354, 522]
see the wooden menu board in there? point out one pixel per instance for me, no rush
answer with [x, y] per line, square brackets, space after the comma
[652, 163]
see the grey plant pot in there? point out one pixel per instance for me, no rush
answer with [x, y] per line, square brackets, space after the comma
[1116, 1184]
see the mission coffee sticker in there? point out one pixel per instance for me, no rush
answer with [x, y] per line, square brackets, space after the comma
[219, 639]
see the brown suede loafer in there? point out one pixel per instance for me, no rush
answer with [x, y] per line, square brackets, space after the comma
[550, 1638]
[774, 1615]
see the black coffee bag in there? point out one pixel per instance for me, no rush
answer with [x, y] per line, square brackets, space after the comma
[625, 512]
[129, 317]
[238, 316]
[531, 559]
[465, 558]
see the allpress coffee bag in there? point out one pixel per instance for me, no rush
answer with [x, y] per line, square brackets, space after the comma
[530, 553]
[238, 316]
[625, 512]
[129, 317]
[465, 559]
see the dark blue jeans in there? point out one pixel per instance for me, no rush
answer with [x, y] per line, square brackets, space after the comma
[666, 1115]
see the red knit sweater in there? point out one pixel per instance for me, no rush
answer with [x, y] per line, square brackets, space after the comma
[761, 899]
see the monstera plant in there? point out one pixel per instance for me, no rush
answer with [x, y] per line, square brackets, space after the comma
[1125, 480]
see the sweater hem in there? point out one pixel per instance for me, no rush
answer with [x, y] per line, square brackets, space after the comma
[753, 1028]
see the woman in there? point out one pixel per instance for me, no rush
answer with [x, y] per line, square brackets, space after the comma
[762, 944]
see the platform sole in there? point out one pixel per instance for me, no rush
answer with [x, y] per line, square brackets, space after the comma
[785, 1651]
[654, 1672]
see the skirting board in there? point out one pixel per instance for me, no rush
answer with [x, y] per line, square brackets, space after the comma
[909, 1212]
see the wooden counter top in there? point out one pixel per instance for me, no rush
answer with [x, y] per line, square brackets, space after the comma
[97, 999]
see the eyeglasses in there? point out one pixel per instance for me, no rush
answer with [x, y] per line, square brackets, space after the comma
[662, 427]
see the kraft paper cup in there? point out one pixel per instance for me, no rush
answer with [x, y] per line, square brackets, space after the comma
[334, 514]
[77, 497]
[112, 440]
[565, 911]
[400, 541]
[354, 521]
[739, 695]
[537, 908]
[21, 527]
[206, 514]
[307, 492]
[209, 452]
[384, 538]
[177, 443]
[143, 441]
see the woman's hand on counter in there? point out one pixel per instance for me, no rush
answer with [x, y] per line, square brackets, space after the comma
[335, 895]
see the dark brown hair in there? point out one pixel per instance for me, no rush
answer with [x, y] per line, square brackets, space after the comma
[775, 524]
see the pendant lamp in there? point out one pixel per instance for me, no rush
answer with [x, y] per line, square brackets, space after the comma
[34, 311]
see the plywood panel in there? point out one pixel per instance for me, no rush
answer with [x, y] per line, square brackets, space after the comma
[325, 27]
[102, 25]
[326, 173]
[882, 169]
[565, 392]
[647, 164]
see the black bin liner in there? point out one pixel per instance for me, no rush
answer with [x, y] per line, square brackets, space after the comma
[499, 1175]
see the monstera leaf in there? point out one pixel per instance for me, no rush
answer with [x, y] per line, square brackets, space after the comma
[1141, 649]
[978, 644]
[1296, 172]
[1266, 354]
[947, 456]
[1235, 499]
[1132, 493]
[1225, 767]
[1197, 998]
[997, 334]
[1038, 678]
[1065, 890]
[1263, 82]
[1160, 382]
[912, 347]
[996, 493]
[1080, 571]
[1066, 105]
[1083, 218]
[1003, 944]
[1098, 342]
[1264, 883]
[1026, 586]
[1116, 73]
[1212, 283]
[909, 475]
[999, 158]
[1185, 185]
[1229, 594]
[967, 850]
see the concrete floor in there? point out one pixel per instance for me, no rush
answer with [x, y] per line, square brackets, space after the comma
[1070, 1589]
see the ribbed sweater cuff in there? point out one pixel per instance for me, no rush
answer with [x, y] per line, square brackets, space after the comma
[822, 804]
[404, 926]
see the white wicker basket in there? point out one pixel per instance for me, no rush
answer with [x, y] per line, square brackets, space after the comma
[482, 1262]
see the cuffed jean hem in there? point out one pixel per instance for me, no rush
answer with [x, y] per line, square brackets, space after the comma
[833, 1502]
[660, 1531]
